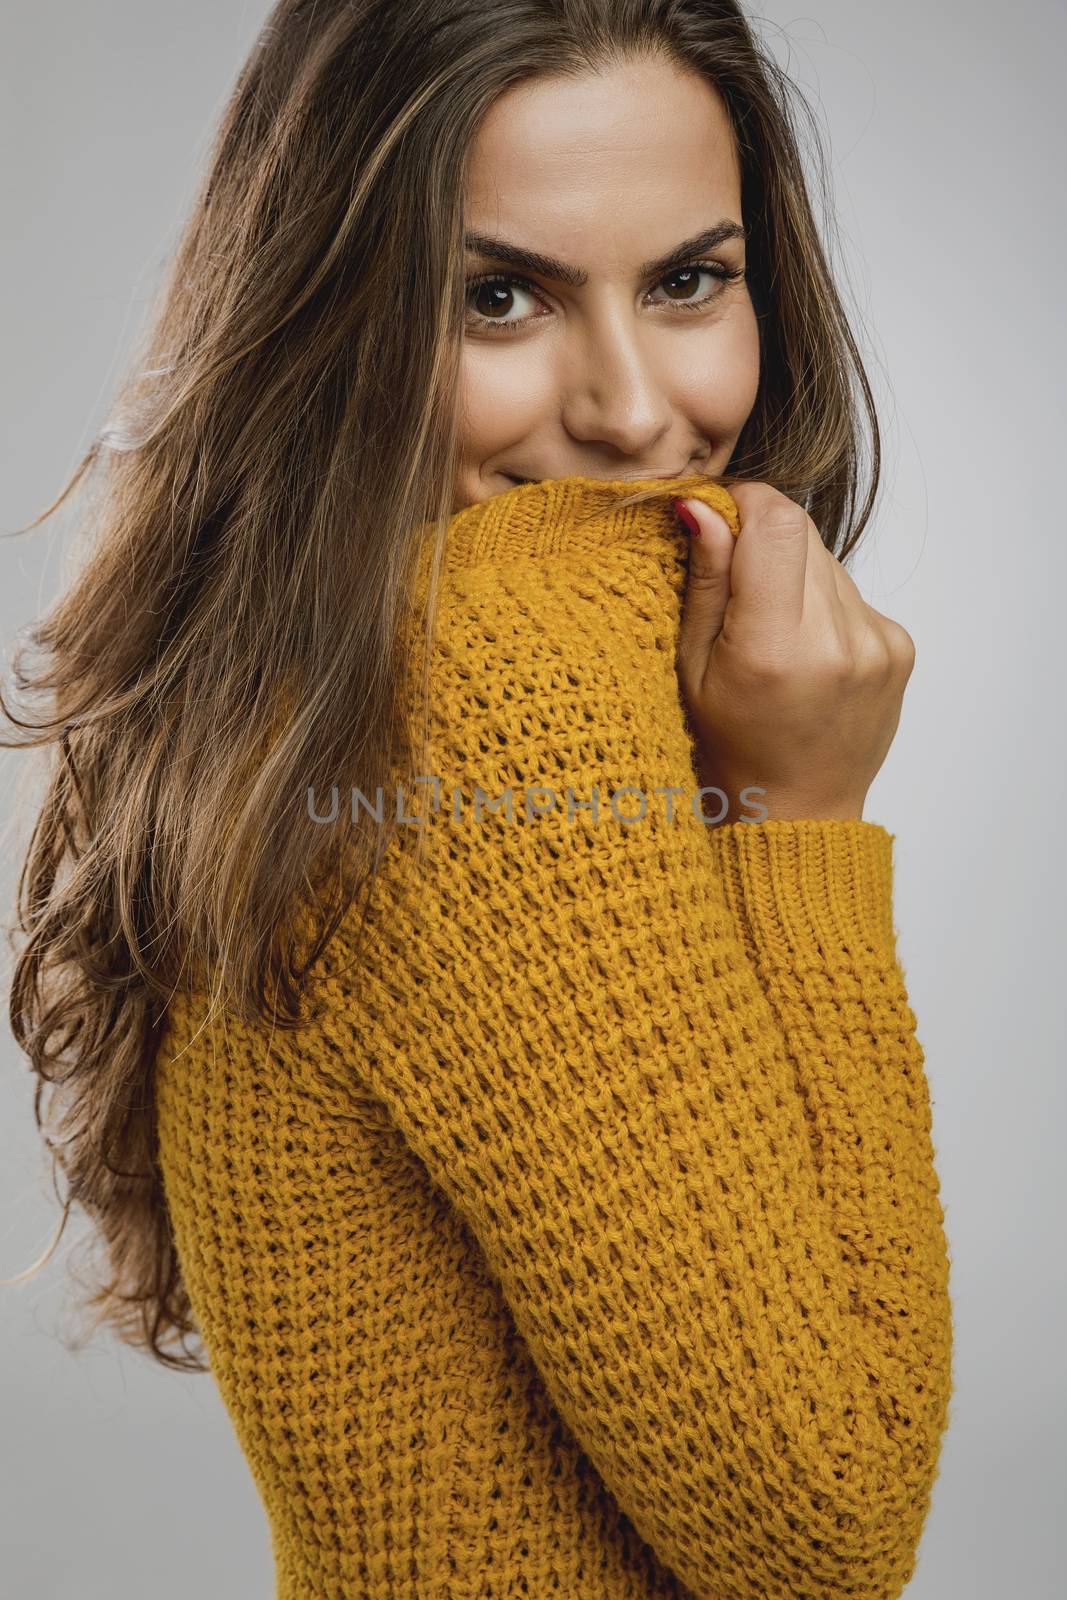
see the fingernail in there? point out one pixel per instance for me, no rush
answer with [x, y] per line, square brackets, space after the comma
[686, 516]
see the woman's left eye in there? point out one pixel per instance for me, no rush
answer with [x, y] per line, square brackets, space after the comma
[503, 284]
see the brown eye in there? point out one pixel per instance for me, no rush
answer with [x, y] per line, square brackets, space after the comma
[690, 277]
[491, 299]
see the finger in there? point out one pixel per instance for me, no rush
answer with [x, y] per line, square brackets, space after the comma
[831, 597]
[711, 550]
[847, 589]
[837, 618]
[887, 645]
[869, 632]
[769, 571]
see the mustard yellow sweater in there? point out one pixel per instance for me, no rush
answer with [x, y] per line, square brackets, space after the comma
[589, 1242]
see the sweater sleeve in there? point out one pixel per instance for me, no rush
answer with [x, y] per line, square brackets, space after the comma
[811, 903]
[707, 1196]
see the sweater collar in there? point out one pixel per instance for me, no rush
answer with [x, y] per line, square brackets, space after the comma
[574, 514]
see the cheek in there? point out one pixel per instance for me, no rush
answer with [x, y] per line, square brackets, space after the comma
[501, 395]
[716, 378]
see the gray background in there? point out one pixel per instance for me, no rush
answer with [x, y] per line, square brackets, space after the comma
[946, 134]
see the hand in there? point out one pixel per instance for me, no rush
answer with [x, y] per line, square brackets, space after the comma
[790, 680]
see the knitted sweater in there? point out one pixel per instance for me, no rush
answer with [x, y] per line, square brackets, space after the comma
[588, 1241]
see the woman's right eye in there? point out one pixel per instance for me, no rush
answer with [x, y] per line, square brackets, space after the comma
[497, 291]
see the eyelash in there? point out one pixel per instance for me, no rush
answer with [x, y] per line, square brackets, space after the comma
[475, 320]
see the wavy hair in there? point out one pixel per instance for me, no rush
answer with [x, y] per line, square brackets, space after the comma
[253, 506]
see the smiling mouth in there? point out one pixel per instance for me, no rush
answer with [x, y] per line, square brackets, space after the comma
[514, 478]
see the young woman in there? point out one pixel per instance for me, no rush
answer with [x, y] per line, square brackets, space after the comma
[549, 1181]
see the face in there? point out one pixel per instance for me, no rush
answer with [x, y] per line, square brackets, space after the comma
[625, 350]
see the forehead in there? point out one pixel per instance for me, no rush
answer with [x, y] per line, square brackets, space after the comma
[635, 148]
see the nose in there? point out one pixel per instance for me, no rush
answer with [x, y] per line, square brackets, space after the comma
[613, 393]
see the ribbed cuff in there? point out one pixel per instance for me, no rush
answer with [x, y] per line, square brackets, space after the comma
[813, 887]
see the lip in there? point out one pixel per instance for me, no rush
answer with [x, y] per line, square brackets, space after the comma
[680, 472]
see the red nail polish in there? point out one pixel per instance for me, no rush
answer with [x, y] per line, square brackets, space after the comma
[686, 516]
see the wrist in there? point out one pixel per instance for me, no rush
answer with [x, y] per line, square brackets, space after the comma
[753, 801]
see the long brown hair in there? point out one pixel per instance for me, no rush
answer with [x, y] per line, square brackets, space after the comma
[286, 427]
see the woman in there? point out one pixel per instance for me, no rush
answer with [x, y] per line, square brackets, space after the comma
[553, 1192]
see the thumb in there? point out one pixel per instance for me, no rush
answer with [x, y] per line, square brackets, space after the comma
[711, 551]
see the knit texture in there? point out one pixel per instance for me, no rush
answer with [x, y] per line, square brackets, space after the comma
[588, 1241]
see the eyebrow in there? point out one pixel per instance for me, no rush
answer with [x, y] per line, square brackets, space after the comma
[548, 267]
